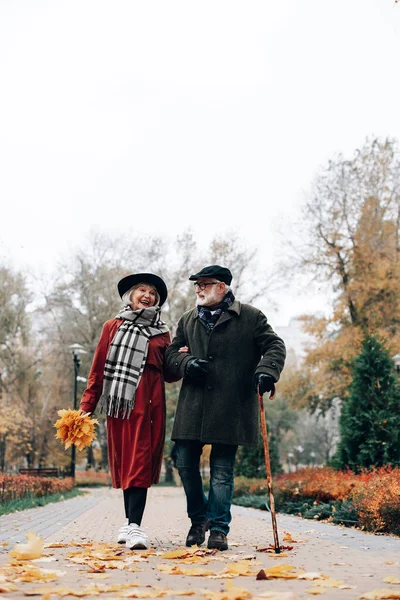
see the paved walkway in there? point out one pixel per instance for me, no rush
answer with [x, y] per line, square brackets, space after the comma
[359, 560]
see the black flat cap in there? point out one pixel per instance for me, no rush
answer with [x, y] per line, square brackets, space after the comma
[130, 280]
[220, 273]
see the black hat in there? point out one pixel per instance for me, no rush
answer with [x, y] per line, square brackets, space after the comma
[220, 273]
[130, 280]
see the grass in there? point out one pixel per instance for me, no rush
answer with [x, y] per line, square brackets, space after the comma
[31, 502]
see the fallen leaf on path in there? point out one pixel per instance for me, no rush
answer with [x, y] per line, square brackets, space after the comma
[7, 587]
[92, 589]
[288, 538]
[281, 572]
[316, 591]
[32, 574]
[270, 549]
[55, 591]
[231, 593]
[391, 579]
[33, 549]
[380, 594]
[346, 586]
[98, 576]
[277, 596]
[239, 568]
[156, 593]
[56, 545]
[175, 570]
[329, 582]
[179, 553]
[391, 562]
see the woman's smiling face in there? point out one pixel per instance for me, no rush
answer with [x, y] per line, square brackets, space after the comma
[143, 296]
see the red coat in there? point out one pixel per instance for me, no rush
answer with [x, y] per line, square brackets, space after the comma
[135, 444]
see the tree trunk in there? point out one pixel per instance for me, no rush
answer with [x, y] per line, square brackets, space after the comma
[3, 454]
[91, 463]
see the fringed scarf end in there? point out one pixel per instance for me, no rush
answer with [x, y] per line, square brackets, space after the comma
[117, 408]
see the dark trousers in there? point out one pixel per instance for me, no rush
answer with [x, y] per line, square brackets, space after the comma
[217, 507]
[135, 501]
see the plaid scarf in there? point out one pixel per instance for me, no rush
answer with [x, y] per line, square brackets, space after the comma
[126, 358]
[209, 319]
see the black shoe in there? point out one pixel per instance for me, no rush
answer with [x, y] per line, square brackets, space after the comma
[197, 534]
[217, 540]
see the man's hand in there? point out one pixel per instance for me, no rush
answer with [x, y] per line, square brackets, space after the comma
[196, 369]
[264, 383]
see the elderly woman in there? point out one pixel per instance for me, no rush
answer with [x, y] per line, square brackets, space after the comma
[127, 376]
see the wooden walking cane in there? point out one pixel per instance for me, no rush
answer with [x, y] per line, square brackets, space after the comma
[268, 469]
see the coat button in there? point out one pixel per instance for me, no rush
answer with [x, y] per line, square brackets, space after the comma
[210, 358]
[176, 364]
[209, 387]
[273, 364]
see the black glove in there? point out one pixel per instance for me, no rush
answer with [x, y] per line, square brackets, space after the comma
[264, 383]
[196, 369]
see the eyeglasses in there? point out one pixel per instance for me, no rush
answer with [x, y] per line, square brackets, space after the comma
[202, 286]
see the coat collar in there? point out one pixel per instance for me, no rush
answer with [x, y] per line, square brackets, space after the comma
[235, 308]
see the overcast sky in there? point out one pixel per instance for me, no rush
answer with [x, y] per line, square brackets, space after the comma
[163, 115]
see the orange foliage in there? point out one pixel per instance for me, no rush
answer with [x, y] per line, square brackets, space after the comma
[320, 483]
[377, 501]
[13, 487]
[75, 428]
[374, 494]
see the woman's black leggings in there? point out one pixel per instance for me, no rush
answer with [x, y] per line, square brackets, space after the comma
[135, 501]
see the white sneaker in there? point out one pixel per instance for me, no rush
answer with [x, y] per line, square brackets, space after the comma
[136, 539]
[123, 534]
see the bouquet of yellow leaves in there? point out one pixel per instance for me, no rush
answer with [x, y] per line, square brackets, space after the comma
[75, 428]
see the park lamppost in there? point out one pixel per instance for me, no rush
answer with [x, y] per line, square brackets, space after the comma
[76, 350]
[290, 456]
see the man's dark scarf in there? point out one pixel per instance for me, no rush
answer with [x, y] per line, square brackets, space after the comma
[126, 358]
[210, 318]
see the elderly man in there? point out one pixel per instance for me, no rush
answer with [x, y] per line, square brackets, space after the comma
[225, 351]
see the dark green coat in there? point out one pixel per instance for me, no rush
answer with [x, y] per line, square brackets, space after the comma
[224, 408]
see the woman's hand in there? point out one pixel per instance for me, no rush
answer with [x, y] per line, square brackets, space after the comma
[183, 349]
[86, 414]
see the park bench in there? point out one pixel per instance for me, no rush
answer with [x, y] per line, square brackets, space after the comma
[41, 472]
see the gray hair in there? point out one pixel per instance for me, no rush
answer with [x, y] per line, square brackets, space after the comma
[126, 298]
[227, 287]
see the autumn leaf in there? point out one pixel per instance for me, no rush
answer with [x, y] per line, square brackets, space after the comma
[231, 593]
[270, 549]
[278, 596]
[7, 587]
[281, 572]
[33, 549]
[391, 579]
[380, 594]
[175, 570]
[310, 576]
[75, 428]
[239, 568]
[180, 553]
[288, 538]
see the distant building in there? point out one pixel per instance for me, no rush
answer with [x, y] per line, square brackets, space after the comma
[295, 338]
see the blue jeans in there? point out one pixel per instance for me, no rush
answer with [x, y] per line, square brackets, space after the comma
[217, 507]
